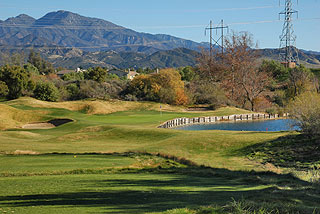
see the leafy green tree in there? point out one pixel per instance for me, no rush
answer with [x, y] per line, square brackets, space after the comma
[46, 91]
[74, 91]
[97, 74]
[301, 79]
[42, 65]
[187, 73]
[31, 69]
[279, 72]
[16, 79]
[73, 76]
[3, 89]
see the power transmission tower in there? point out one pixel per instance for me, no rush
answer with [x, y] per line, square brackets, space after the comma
[288, 53]
[210, 28]
[215, 42]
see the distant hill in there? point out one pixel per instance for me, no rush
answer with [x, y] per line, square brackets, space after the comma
[179, 57]
[67, 29]
[70, 40]
[73, 58]
[310, 59]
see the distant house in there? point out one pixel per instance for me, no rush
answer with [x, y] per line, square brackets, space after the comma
[121, 74]
[63, 72]
[131, 74]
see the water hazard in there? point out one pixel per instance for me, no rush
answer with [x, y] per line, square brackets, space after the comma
[255, 125]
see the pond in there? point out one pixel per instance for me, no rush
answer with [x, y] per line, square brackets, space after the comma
[253, 125]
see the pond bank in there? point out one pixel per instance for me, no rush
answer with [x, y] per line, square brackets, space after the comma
[214, 119]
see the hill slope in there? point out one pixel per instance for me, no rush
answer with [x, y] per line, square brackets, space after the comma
[67, 29]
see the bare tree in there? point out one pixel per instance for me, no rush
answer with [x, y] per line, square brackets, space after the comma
[210, 66]
[246, 82]
[237, 70]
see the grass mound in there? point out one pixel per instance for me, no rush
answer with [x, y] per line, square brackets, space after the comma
[112, 106]
[11, 117]
[94, 106]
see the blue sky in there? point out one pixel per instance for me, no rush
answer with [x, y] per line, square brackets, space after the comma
[187, 18]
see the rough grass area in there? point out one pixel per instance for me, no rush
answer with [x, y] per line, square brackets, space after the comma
[293, 151]
[11, 117]
[95, 106]
[107, 107]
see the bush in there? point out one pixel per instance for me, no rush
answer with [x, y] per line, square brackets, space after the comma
[73, 76]
[16, 79]
[97, 74]
[46, 91]
[93, 89]
[305, 109]
[130, 97]
[74, 91]
[207, 93]
[165, 86]
[3, 89]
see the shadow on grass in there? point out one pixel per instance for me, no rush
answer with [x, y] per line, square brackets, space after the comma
[158, 189]
[292, 151]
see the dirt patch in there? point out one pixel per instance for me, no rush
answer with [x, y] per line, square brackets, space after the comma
[47, 125]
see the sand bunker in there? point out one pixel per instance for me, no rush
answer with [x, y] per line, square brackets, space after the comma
[47, 125]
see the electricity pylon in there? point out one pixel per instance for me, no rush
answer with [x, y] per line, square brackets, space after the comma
[288, 52]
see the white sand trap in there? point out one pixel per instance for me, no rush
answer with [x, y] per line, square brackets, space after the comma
[47, 125]
[38, 126]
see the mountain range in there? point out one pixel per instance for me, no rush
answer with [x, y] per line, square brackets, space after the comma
[70, 40]
[67, 29]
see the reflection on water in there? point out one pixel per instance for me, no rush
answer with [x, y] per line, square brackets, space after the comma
[255, 125]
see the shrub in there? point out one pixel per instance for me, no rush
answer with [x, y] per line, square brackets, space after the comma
[130, 97]
[3, 89]
[73, 91]
[207, 93]
[73, 76]
[305, 109]
[46, 91]
[91, 89]
[97, 74]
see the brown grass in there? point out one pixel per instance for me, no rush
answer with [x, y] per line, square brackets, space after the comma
[11, 117]
[95, 106]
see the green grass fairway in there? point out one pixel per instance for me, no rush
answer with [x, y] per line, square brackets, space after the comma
[121, 163]
[134, 131]
[135, 184]
[42, 164]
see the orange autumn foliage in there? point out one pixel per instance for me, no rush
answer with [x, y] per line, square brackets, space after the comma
[165, 86]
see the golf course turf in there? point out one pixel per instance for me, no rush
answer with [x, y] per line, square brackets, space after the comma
[119, 162]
